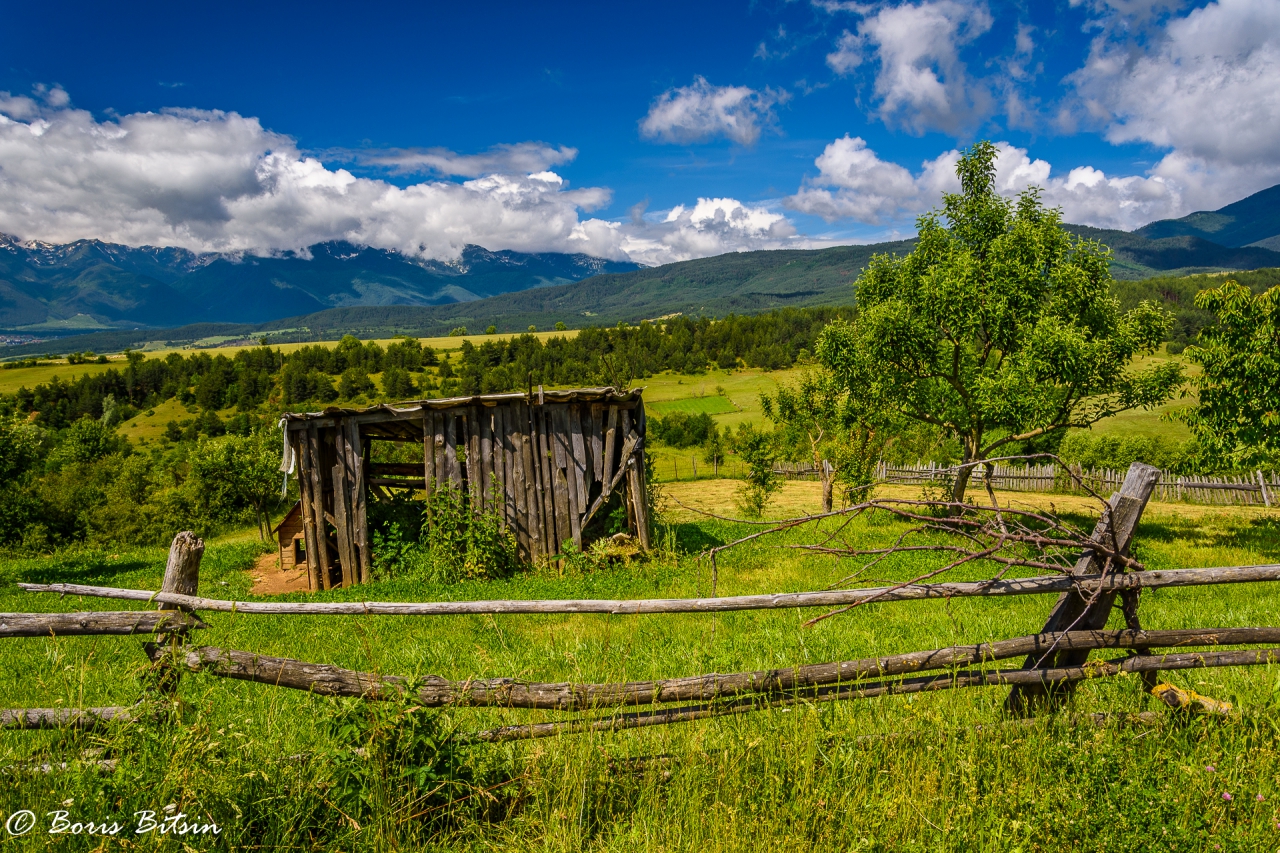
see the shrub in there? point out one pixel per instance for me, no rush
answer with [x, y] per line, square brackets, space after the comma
[682, 429]
[450, 543]
[758, 452]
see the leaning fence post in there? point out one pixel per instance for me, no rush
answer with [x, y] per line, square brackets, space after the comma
[1075, 613]
[181, 576]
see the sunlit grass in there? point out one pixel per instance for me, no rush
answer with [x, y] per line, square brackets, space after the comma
[930, 772]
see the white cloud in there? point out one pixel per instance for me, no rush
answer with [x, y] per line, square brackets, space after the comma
[219, 181]
[1206, 86]
[921, 83]
[700, 112]
[520, 157]
[854, 183]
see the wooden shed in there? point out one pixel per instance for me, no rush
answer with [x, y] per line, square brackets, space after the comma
[546, 462]
[291, 540]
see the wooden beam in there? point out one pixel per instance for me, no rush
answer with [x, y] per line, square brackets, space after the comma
[1047, 584]
[97, 623]
[803, 681]
[64, 718]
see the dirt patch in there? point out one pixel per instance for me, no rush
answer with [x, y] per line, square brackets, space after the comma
[269, 580]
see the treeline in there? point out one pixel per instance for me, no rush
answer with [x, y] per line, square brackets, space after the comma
[70, 477]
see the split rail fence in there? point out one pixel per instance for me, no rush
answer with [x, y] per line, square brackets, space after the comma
[1055, 659]
[1249, 489]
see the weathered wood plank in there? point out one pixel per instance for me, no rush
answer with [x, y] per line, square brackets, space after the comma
[342, 507]
[546, 481]
[582, 473]
[486, 467]
[428, 452]
[529, 475]
[610, 448]
[475, 461]
[452, 465]
[596, 433]
[94, 623]
[318, 560]
[356, 454]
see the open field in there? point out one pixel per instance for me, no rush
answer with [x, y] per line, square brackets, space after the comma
[932, 772]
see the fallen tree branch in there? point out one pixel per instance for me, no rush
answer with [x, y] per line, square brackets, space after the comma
[434, 691]
[1040, 585]
[1048, 677]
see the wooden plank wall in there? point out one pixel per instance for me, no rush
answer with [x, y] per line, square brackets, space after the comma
[545, 468]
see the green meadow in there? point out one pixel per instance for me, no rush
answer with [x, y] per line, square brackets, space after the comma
[279, 769]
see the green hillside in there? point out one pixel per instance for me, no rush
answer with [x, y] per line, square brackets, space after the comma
[1252, 221]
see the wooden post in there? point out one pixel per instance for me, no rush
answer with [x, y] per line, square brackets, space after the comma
[1072, 612]
[342, 511]
[181, 576]
[1262, 484]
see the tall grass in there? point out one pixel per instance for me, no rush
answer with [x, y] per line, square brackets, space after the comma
[277, 769]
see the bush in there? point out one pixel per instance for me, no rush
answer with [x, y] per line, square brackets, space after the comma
[1089, 450]
[758, 452]
[450, 543]
[682, 429]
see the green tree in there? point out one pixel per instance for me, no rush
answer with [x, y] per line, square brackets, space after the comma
[758, 452]
[999, 327]
[820, 418]
[235, 473]
[1237, 419]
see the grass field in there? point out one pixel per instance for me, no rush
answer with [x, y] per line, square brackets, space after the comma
[931, 772]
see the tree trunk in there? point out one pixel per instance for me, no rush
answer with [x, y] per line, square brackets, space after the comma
[828, 475]
[961, 483]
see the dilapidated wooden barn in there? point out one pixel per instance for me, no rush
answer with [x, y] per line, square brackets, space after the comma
[545, 463]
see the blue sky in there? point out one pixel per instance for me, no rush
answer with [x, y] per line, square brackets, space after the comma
[655, 131]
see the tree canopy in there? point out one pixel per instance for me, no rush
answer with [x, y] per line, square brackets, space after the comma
[1237, 419]
[999, 327]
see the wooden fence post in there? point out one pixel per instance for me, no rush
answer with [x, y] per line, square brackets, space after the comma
[1074, 613]
[181, 576]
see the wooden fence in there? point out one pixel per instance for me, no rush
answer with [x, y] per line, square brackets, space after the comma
[1247, 489]
[1056, 658]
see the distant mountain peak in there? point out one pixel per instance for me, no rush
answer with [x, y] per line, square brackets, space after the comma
[1252, 221]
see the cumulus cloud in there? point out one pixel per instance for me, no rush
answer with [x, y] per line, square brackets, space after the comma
[218, 181]
[1205, 85]
[853, 182]
[520, 157]
[701, 111]
[921, 84]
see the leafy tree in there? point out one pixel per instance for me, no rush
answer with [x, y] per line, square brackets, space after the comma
[999, 327]
[239, 472]
[1237, 419]
[353, 382]
[397, 384]
[758, 452]
[821, 419]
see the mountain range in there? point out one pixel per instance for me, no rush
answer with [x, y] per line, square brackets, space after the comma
[172, 295]
[91, 284]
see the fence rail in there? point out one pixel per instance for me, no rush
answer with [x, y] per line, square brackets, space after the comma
[1256, 489]
[1056, 656]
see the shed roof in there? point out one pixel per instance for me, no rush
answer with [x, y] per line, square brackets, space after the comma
[413, 409]
[293, 510]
